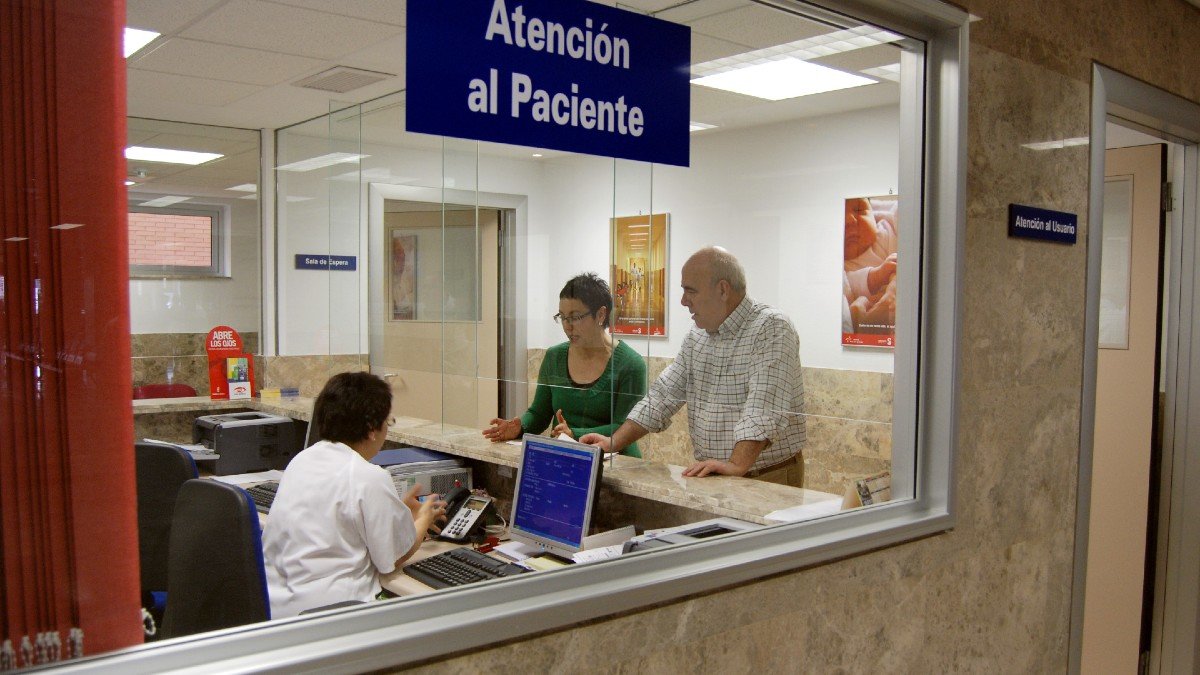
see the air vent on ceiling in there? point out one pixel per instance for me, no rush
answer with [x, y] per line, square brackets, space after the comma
[341, 79]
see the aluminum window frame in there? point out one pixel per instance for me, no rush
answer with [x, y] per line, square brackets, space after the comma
[388, 635]
[219, 219]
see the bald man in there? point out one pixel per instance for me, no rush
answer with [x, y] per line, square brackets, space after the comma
[738, 371]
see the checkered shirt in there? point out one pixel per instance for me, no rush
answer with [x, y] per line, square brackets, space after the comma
[740, 383]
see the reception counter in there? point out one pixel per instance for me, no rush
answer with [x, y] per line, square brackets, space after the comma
[740, 498]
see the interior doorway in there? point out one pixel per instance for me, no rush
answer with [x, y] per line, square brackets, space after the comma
[1136, 594]
[1126, 455]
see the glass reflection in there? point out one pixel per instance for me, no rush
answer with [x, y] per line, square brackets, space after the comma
[468, 248]
[194, 252]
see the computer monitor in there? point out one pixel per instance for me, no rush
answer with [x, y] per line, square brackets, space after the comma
[557, 483]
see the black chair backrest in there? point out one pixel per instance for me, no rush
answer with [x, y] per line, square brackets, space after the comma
[216, 577]
[161, 471]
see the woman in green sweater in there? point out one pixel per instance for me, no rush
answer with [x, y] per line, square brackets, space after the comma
[588, 383]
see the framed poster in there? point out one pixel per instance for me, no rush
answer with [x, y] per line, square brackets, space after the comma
[869, 266]
[402, 276]
[638, 274]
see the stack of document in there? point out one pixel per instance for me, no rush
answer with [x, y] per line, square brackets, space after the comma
[405, 461]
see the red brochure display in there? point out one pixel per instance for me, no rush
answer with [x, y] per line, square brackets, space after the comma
[230, 368]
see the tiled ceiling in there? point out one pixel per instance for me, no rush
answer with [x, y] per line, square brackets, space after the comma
[232, 62]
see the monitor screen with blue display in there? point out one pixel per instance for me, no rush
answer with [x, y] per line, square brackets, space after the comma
[556, 488]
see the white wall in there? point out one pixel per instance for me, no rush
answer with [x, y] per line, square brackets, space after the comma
[772, 195]
[197, 305]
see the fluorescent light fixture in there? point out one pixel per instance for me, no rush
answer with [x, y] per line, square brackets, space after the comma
[136, 38]
[313, 163]
[537, 154]
[165, 201]
[129, 182]
[1057, 145]
[244, 187]
[786, 78]
[290, 198]
[699, 126]
[888, 72]
[169, 156]
[837, 42]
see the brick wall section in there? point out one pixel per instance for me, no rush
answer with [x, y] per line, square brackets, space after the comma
[167, 239]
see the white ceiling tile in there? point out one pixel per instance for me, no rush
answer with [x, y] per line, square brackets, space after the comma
[224, 62]
[386, 11]
[289, 30]
[861, 59]
[385, 56]
[165, 16]
[757, 27]
[705, 48]
[144, 84]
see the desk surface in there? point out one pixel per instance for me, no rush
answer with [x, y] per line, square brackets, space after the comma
[740, 498]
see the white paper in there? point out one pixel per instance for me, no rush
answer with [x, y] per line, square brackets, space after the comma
[248, 478]
[594, 554]
[190, 447]
[517, 551]
[805, 511]
[604, 539]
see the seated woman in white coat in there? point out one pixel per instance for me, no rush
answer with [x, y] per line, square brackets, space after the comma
[337, 523]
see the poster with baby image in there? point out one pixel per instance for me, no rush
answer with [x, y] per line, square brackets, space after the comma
[869, 272]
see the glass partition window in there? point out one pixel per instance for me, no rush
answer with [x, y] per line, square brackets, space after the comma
[752, 313]
[195, 254]
[478, 255]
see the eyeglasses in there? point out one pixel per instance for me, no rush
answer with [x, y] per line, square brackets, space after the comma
[572, 320]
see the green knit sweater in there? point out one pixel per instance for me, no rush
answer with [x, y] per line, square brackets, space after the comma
[598, 407]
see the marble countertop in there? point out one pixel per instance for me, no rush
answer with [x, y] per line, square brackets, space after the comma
[740, 498]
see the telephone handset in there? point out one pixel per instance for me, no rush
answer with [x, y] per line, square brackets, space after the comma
[465, 513]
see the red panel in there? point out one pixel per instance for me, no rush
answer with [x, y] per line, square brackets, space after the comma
[69, 535]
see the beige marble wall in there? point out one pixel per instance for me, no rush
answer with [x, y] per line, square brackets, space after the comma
[176, 358]
[849, 425]
[308, 373]
[992, 595]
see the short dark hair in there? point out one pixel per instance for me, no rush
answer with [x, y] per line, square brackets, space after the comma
[350, 406]
[592, 291]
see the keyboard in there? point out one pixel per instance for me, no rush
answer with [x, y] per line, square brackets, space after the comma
[458, 567]
[263, 495]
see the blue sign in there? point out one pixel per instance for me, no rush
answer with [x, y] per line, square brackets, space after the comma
[320, 261]
[1034, 223]
[561, 74]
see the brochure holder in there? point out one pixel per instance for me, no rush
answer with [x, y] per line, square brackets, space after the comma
[230, 368]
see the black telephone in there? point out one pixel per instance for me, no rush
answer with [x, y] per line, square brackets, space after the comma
[466, 514]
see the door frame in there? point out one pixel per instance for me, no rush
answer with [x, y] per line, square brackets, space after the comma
[512, 259]
[1177, 616]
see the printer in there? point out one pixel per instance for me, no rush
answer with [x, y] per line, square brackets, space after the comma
[247, 441]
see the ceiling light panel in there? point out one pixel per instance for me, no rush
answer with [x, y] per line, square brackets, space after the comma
[778, 80]
[837, 42]
[169, 156]
[313, 163]
[165, 201]
[890, 72]
[136, 38]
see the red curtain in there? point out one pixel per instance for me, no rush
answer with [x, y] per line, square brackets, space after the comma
[68, 535]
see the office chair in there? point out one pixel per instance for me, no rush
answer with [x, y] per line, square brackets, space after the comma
[215, 574]
[161, 470]
[163, 391]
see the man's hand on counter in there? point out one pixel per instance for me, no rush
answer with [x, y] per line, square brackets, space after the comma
[599, 440]
[711, 467]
